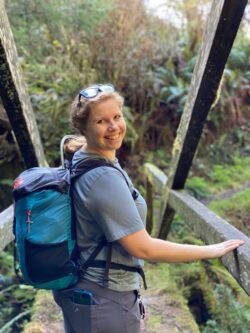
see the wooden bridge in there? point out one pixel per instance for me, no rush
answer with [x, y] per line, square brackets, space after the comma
[222, 26]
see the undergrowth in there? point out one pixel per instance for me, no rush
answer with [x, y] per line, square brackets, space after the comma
[15, 298]
[235, 210]
[220, 177]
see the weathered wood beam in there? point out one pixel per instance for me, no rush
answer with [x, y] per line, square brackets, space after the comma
[156, 177]
[155, 185]
[6, 223]
[150, 207]
[15, 98]
[213, 229]
[221, 30]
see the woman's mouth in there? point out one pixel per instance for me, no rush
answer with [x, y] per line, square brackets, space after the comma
[113, 137]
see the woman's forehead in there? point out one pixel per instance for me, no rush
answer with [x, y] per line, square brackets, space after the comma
[107, 106]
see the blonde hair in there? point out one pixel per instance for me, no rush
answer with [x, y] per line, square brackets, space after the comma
[79, 115]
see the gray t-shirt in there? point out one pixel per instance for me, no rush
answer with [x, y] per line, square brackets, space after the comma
[104, 206]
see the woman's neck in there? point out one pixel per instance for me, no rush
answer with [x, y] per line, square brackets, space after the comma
[109, 155]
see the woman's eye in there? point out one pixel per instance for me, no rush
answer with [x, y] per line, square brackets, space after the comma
[118, 116]
[100, 121]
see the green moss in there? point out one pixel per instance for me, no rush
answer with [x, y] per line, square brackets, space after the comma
[235, 210]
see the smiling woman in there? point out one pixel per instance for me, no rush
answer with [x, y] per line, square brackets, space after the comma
[106, 129]
[97, 114]
[110, 217]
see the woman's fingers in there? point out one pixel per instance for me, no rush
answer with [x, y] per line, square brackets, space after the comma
[220, 249]
[232, 244]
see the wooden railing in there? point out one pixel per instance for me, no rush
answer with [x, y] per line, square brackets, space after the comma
[207, 225]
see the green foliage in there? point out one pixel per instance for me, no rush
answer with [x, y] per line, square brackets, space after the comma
[148, 60]
[162, 270]
[181, 230]
[230, 176]
[6, 263]
[173, 82]
[233, 316]
[233, 96]
[48, 21]
[131, 134]
[235, 210]
[218, 274]
[220, 177]
[198, 187]
[8, 182]
[14, 298]
[160, 158]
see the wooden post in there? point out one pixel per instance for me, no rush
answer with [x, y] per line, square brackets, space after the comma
[155, 185]
[15, 98]
[150, 205]
[221, 30]
[6, 226]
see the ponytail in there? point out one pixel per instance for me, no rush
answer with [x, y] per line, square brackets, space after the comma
[73, 144]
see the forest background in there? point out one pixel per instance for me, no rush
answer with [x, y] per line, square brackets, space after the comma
[64, 46]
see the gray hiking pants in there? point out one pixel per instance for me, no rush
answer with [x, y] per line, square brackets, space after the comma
[112, 311]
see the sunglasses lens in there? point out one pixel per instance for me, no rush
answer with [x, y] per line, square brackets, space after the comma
[107, 88]
[89, 92]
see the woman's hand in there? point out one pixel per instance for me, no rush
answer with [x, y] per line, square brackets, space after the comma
[220, 249]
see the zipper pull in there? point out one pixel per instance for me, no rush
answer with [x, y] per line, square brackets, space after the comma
[28, 220]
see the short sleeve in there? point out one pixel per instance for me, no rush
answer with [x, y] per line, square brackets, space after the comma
[112, 206]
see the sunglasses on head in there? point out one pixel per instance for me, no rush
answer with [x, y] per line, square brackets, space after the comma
[93, 91]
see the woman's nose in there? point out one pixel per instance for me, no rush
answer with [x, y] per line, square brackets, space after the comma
[112, 126]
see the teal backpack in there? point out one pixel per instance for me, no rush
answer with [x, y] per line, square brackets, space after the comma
[44, 225]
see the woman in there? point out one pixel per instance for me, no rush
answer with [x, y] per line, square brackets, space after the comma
[105, 300]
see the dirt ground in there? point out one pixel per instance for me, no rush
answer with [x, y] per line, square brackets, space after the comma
[165, 316]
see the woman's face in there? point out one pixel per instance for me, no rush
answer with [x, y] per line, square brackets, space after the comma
[105, 128]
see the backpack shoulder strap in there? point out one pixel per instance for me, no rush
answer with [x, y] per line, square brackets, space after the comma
[84, 166]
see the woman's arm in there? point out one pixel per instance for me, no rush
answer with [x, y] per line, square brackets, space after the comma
[141, 245]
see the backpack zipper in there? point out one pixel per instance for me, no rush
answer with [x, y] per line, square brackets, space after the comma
[28, 220]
